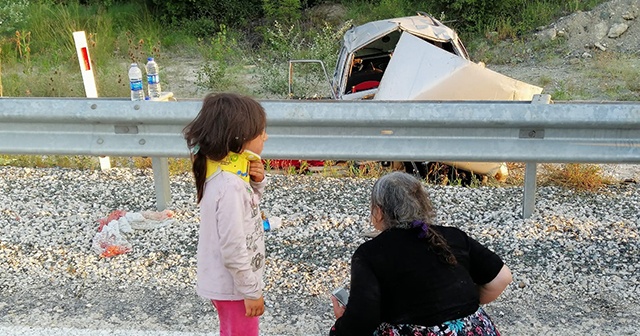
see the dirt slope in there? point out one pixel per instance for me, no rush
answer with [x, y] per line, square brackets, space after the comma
[583, 56]
[611, 26]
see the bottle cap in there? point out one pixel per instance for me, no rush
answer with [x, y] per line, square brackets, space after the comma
[150, 59]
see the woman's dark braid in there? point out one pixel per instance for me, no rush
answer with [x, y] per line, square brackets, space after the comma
[440, 247]
[435, 240]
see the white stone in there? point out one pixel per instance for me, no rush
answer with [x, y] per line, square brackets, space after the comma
[600, 30]
[617, 30]
[600, 46]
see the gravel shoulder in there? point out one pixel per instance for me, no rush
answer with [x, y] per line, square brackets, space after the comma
[575, 262]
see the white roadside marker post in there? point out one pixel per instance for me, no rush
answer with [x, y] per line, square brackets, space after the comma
[88, 78]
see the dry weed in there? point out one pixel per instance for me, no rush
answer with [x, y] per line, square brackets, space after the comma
[581, 177]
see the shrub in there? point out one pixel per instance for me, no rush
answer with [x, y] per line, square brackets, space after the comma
[472, 15]
[12, 16]
[203, 17]
[507, 17]
[281, 10]
[582, 177]
[364, 11]
[220, 53]
[284, 43]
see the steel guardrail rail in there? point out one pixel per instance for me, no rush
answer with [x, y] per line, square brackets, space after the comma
[586, 132]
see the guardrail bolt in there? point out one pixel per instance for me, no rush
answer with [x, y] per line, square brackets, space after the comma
[100, 141]
[94, 106]
[136, 107]
[532, 134]
[142, 142]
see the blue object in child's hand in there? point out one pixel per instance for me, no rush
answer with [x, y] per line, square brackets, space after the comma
[266, 225]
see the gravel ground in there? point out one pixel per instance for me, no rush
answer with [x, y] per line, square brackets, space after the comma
[575, 262]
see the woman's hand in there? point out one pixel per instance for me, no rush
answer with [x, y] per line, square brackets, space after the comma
[338, 309]
[256, 171]
[254, 307]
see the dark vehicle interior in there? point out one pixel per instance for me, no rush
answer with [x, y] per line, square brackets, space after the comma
[370, 62]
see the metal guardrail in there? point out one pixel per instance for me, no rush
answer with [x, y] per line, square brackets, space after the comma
[338, 130]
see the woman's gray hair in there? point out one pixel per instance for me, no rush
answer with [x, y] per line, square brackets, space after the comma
[402, 199]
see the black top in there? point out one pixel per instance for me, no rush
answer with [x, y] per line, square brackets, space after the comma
[396, 278]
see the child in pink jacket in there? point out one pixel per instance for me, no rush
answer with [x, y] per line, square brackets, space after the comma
[226, 140]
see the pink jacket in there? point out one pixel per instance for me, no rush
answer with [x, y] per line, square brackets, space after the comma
[231, 251]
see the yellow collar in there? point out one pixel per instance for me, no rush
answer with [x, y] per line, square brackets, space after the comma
[234, 163]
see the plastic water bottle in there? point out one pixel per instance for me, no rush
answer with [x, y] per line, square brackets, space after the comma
[135, 82]
[153, 79]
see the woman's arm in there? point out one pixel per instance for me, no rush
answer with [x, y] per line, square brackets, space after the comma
[361, 316]
[491, 290]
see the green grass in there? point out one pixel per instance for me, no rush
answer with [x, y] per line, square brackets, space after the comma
[39, 58]
[619, 75]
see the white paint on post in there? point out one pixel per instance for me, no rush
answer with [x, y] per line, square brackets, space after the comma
[88, 78]
[85, 64]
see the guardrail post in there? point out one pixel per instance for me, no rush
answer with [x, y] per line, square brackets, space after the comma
[529, 201]
[161, 182]
[530, 170]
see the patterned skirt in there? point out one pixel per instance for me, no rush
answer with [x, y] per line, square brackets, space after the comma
[476, 324]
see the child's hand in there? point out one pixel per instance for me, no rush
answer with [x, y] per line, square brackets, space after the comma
[253, 307]
[256, 171]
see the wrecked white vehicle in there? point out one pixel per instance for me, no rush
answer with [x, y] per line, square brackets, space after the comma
[417, 58]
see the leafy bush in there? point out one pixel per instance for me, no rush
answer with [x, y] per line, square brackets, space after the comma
[104, 3]
[283, 43]
[508, 17]
[203, 17]
[364, 11]
[219, 54]
[476, 14]
[12, 15]
[281, 10]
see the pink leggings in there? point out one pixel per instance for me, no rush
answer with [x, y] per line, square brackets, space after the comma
[233, 321]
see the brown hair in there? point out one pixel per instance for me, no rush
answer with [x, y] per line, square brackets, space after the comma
[403, 201]
[224, 124]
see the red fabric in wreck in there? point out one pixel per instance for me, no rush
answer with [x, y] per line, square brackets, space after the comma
[365, 86]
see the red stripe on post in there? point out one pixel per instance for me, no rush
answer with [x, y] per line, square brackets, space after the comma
[85, 57]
